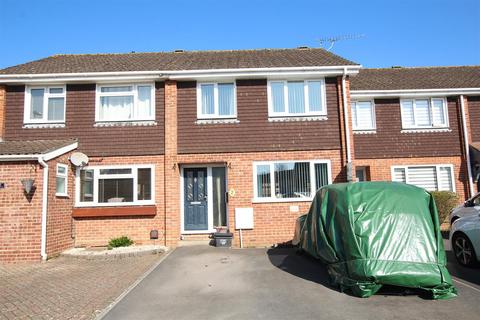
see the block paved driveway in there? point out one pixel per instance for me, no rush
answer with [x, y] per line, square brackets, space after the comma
[213, 283]
[67, 288]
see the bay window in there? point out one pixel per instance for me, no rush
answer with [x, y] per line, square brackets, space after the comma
[133, 102]
[429, 177]
[297, 98]
[289, 180]
[216, 100]
[424, 113]
[118, 185]
[45, 104]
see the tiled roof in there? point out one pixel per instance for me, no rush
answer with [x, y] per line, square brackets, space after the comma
[32, 146]
[417, 78]
[186, 60]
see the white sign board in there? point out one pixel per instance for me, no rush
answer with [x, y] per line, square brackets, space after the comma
[243, 218]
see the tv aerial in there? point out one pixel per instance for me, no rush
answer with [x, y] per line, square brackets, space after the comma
[328, 42]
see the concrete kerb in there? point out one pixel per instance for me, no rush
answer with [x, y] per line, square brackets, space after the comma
[105, 311]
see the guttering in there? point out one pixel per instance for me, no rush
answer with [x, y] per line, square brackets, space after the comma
[467, 146]
[43, 243]
[345, 114]
[412, 92]
[170, 74]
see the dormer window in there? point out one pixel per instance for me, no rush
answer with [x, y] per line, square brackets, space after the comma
[45, 104]
[297, 98]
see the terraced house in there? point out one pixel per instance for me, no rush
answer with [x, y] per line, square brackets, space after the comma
[179, 143]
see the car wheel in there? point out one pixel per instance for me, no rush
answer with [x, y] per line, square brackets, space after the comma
[463, 249]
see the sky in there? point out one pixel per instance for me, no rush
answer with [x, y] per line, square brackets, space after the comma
[386, 33]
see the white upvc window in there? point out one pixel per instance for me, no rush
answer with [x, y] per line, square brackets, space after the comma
[363, 115]
[437, 177]
[424, 113]
[277, 181]
[118, 185]
[44, 104]
[61, 180]
[125, 102]
[297, 98]
[216, 100]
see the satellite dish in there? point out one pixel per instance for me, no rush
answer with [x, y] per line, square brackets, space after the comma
[79, 159]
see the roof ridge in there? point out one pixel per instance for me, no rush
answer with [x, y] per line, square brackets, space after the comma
[191, 51]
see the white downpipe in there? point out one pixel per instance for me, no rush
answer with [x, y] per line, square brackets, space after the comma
[467, 149]
[43, 243]
[345, 113]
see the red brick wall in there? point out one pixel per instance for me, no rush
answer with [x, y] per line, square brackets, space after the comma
[20, 215]
[274, 222]
[98, 231]
[59, 213]
[380, 169]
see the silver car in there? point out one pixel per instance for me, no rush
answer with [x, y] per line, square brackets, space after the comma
[468, 208]
[465, 240]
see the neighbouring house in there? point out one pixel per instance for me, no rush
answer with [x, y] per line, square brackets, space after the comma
[181, 142]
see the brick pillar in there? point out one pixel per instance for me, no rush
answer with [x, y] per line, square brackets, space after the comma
[342, 124]
[172, 185]
[3, 104]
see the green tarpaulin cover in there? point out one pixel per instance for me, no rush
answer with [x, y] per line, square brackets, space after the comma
[372, 234]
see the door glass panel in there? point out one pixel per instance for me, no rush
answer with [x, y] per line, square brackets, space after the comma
[189, 186]
[200, 186]
[219, 200]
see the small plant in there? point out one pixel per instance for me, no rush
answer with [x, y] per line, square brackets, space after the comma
[122, 241]
[445, 202]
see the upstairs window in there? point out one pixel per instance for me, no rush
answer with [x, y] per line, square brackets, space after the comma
[133, 102]
[363, 115]
[216, 100]
[45, 104]
[110, 186]
[424, 113]
[289, 180]
[297, 98]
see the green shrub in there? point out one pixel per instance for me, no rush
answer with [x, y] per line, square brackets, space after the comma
[122, 241]
[445, 202]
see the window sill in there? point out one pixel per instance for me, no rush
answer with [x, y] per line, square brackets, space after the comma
[297, 118]
[43, 125]
[373, 131]
[216, 121]
[62, 195]
[91, 212]
[125, 123]
[281, 200]
[426, 130]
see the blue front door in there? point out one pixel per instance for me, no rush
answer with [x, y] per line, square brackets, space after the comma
[196, 199]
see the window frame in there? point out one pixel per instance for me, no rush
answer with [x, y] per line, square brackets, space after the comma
[307, 113]
[437, 171]
[372, 110]
[64, 176]
[216, 107]
[96, 177]
[272, 198]
[134, 85]
[430, 103]
[28, 104]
